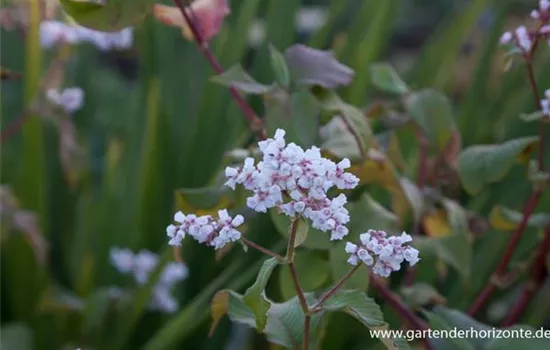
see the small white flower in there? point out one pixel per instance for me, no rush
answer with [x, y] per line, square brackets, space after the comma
[310, 19]
[506, 38]
[386, 253]
[351, 248]
[523, 39]
[144, 263]
[141, 265]
[122, 259]
[70, 99]
[545, 103]
[53, 33]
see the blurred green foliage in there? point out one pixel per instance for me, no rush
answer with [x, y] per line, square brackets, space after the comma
[154, 127]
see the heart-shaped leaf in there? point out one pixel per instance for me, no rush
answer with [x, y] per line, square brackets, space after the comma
[486, 164]
[386, 78]
[434, 114]
[313, 67]
[255, 295]
[238, 78]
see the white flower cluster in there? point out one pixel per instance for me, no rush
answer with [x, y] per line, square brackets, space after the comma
[543, 12]
[70, 99]
[205, 229]
[304, 176]
[521, 38]
[545, 103]
[385, 253]
[53, 33]
[141, 265]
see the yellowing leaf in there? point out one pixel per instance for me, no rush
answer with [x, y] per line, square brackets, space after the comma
[436, 224]
[201, 201]
[209, 15]
[218, 308]
[505, 219]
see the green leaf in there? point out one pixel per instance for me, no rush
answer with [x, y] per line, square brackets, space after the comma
[301, 232]
[414, 197]
[285, 324]
[532, 117]
[96, 311]
[458, 319]
[107, 15]
[238, 78]
[454, 250]
[364, 309]
[367, 213]
[456, 216]
[517, 341]
[352, 120]
[16, 336]
[433, 113]
[421, 294]
[201, 201]
[336, 138]
[255, 295]
[315, 239]
[278, 64]
[485, 164]
[505, 219]
[285, 321]
[358, 305]
[447, 343]
[386, 78]
[297, 114]
[312, 269]
[312, 67]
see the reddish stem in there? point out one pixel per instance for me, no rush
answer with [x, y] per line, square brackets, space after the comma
[355, 136]
[307, 326]
[536, 279]
[500, 270]
[14, 126]
[335, 288]
[262, 249]
[420, 183]
[395, 302]
[256, 123]
[534, 88]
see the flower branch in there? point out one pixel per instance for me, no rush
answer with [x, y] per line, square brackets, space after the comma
[536, 278]
[500, 270]
[255, 122]
[262, 249]
[318, 306]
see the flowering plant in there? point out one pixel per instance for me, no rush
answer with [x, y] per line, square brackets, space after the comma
[355, 205]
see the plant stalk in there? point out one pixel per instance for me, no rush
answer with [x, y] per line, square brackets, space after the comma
[262, 249]
[536, 278]
[503, 264]
[255, 122]
[335, 288]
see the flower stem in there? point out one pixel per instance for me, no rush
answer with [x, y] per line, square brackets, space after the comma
[403, 310]
[292, 267]
[500, 270]
[536, 278]
[256, 123]
[262, 249]
[536, 96]
[335, 288]
[307, 326]
[299, 291]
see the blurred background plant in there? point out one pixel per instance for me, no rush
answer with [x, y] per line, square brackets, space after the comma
[154, 132]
